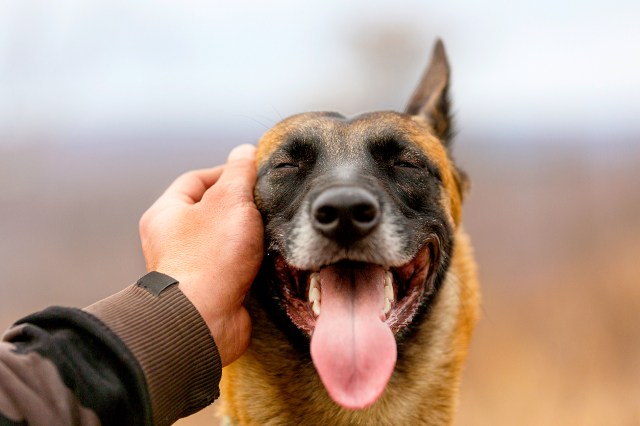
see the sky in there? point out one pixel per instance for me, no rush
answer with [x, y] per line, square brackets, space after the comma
[80, 67]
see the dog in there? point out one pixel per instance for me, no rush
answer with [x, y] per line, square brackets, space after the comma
[367, 297]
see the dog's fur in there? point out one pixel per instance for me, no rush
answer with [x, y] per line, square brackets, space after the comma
[420, 192]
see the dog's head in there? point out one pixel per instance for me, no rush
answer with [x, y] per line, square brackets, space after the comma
[360, 215]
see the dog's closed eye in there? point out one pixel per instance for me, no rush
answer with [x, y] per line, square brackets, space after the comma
[409, 164]
[295, 154]
[287, 165]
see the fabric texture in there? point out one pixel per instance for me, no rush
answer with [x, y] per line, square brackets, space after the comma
[143, 356]
[57, 364]
[171, 341]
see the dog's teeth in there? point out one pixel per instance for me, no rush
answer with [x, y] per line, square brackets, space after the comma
[314, 287]
[314, 294]
[388, 286]
[388, 278]
[314, 279]
[388, 292]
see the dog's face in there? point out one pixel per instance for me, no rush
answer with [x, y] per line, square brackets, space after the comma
[360, 215]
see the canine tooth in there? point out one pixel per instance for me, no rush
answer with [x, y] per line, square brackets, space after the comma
[314, 287]
[314, 294]
[388, 292]
[387, 305]
[315, 278]
[316, 307]
[388, 286]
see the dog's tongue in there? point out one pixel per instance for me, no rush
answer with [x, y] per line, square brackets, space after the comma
[353, 350]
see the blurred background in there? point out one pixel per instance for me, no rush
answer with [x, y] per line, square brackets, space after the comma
[104, 103]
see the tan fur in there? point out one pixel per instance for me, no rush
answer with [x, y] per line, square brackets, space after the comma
[272, 384]
[279, 388]
[415, 126]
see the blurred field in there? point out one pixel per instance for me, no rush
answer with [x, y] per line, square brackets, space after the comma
[103, 104]
[557, 235]
[555, 224]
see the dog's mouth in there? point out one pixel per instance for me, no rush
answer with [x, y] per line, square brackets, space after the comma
[403, 289]
[352, 312]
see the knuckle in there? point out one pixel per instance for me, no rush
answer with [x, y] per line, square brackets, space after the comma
[187, 175]
[145, 223]
[247, 170]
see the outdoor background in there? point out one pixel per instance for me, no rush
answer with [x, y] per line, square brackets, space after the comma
[104, 103]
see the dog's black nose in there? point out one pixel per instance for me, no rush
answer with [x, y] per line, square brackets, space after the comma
[345, 214]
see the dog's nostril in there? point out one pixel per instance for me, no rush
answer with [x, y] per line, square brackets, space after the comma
[326, 214]
[364, 212]
[345, 214]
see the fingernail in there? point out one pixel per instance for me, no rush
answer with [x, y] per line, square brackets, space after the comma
[242, 152]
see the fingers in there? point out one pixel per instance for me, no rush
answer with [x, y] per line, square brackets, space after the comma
[191, 186]
[239, 173]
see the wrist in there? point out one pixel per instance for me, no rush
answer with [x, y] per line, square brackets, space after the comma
[169, 339]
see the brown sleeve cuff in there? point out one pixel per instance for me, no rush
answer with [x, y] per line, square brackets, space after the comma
[173, 345]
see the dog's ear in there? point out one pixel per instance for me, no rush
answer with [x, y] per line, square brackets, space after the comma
[431, 101]
[431, 98]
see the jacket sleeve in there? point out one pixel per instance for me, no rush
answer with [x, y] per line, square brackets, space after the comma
[140, 357]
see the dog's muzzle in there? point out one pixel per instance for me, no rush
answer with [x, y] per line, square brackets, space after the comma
[345, 214]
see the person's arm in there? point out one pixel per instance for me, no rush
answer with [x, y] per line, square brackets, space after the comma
[147, 354]
[63, 366]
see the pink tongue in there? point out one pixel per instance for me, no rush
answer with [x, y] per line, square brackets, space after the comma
[352, 348]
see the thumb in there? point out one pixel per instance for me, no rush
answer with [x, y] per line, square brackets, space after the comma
[240, 173]
[242, 152]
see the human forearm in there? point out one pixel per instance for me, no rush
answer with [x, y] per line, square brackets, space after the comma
[133, 358]
[171, 342]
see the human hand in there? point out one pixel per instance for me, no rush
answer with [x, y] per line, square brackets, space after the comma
[206, 232]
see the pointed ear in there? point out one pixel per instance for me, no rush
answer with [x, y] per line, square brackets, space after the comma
[430, 100]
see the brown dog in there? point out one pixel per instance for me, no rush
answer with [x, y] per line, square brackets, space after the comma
[367, 297]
